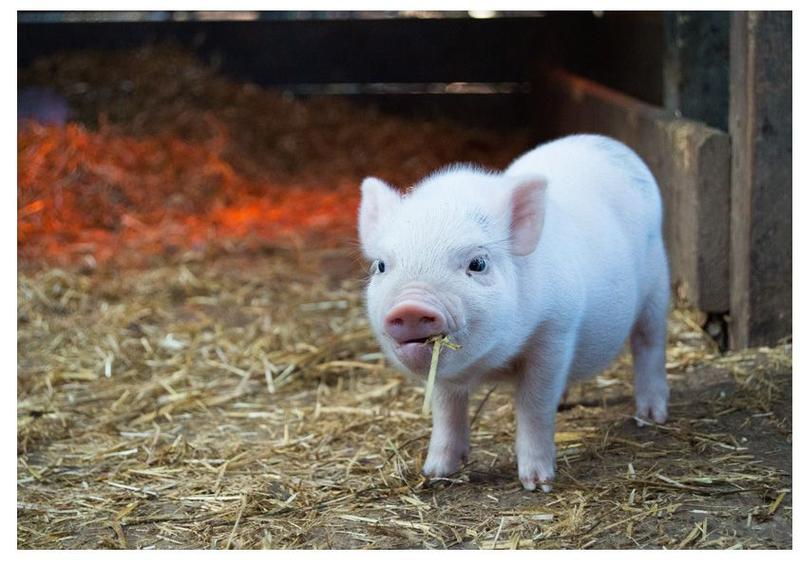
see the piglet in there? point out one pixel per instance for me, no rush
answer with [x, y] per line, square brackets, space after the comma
[540, 273]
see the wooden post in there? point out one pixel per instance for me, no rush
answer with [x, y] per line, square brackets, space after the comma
[761, 179]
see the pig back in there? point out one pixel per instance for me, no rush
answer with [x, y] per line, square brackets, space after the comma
[602, 234]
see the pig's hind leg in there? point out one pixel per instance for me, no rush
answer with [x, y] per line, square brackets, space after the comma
[648, 343]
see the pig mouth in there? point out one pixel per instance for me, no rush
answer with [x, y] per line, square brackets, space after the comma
[418, 340]
[416, 354]
[413, 348]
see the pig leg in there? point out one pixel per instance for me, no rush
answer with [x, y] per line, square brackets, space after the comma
[538, 395]
[449, 446]
[648, 341]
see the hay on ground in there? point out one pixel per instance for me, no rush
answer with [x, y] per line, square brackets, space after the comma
[244, 403]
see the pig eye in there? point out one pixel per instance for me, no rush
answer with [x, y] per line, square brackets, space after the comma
[379, 266]
[477, 265]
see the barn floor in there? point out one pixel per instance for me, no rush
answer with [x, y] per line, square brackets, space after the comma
[238, 401]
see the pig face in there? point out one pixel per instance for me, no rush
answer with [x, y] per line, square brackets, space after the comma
[443, 261]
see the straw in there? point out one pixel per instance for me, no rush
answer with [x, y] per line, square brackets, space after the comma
[437, 341]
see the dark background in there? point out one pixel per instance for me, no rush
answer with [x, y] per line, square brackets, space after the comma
[305, 54]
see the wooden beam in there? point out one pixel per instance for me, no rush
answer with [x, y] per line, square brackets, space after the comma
[691, 162]
[761, 192]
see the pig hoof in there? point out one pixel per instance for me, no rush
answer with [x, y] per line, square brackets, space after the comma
[532, 482]
[541, 476]
[651, 408]
[443, 464]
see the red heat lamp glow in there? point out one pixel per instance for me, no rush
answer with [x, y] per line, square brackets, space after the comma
[100, 193]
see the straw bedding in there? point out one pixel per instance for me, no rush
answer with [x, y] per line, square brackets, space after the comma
[228, 393]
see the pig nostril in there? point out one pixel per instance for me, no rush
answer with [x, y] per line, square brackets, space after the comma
[413, 322]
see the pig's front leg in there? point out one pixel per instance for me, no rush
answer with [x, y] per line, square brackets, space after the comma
[540, 388]
[449, 446]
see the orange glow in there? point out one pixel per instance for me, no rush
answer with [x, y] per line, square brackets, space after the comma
[182, 158]
[103, 193]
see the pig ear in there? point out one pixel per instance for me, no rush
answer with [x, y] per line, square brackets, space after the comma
[527, 214]
[378, 202]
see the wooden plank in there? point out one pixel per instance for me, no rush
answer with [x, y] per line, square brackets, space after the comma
[622, 49]
[761, 197]
[490, 111]
[690, 161]
[322, 51]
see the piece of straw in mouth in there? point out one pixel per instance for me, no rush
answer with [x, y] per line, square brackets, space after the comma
[438, 341]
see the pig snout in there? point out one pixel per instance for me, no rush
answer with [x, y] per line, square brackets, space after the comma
[415, 315]
[413, 321]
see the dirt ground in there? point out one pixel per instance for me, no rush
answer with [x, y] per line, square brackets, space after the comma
[239, 401]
